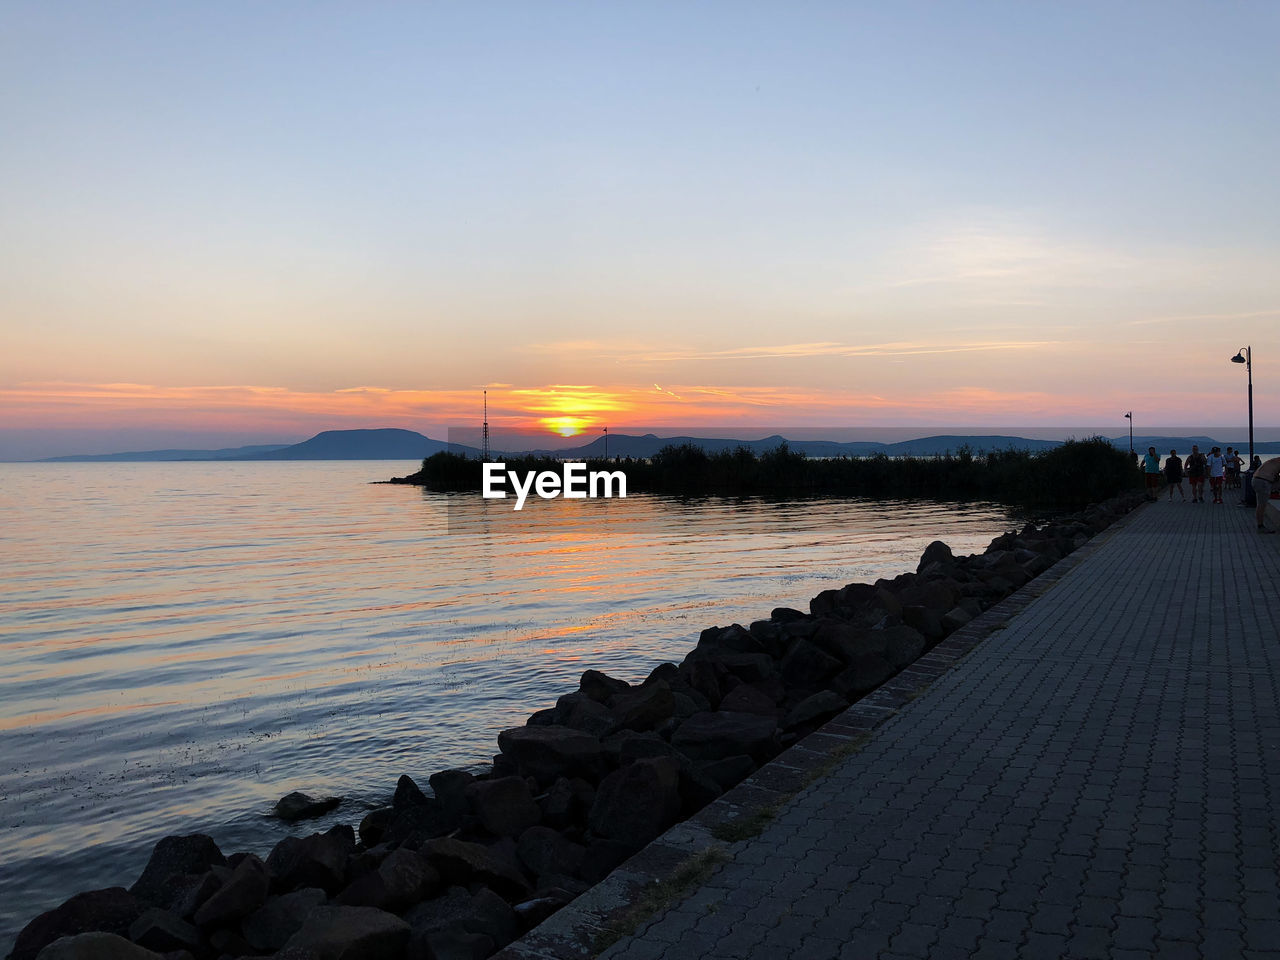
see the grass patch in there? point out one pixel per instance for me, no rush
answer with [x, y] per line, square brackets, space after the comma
[744, 828]
[655, 897]
[846, 749]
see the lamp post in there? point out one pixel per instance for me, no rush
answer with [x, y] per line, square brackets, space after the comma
[606, 443]
[1129, 416]
[1245, 356]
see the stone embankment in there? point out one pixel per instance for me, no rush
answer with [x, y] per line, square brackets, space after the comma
[461, 871]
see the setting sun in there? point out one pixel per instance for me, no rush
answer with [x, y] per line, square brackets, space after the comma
[565, 426]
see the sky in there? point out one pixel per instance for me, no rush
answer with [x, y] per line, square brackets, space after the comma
[232, 222]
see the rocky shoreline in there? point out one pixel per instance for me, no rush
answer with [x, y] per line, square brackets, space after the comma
[463, 870]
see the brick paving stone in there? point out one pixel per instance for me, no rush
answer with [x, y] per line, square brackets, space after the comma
[1098, 778]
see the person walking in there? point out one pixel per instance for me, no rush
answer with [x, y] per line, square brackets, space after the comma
[1151, 469]
[1195, 473]
[1264, 478]
[1233, 461]
[1173, 475]
[1216, 467]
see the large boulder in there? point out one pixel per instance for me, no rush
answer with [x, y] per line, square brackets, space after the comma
[600, 686]
[806, 665]
[637, 802]
[319, 860]
[862, 676]
[301, 806]
[408, 793]
[162, 932]
[936, 552]
[402, 879]
[926, 620]
[270, 926]
[644, 708]
[244, 892]
[96, 946]
[460, 862]
[192, 854]
[814, 709]
[745, 698]
[546, 852]
[419, 822]
[450, 788]
[565, 802]
[550, 752]
[450, 926]
[903, 645]
[111, 910]
[351, 933]
[713, 736]
[505, 806]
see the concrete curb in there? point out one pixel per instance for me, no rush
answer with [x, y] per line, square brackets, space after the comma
[574, 932]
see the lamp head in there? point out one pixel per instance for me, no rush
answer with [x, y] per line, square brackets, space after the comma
[1238, 358]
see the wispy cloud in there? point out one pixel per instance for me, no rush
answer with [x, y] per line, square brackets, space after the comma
[1207, 317]
[627, 353]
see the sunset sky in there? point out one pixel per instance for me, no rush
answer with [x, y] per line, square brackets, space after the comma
[227, 223]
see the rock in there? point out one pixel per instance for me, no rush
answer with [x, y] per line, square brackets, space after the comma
[460, 862]
[299, 806]
[240, 896]
[734, 639]
[703, 678]
[544, 852]
[846, 642]
[686, 705]
[319, 860]
[162, 932]
[407, 794]
[111, 910]
[644, 708]
[940, 595]
[786, 615]
[603, 857]
[483, 912]
[926, 620]
[807, 666]
[418, 823]
[819, 707]
[747, 699]
[550, 752]
[696, 790]
[667, 672]
[825, 604]
[600, 686]
[95, 946]
[401, 880]
[903, 645]
[272, 924]
[862, 676]
[747, 667]
[636, 803]
[955, 618]
[730, 771]
[190, 891]
[887, 599]
[226, 942]
[375, 824]
[351, 933]
[580, 712]
[936, 552]
[505, 806]
[450, 944]
[705, 737]
[450, 788]
[566, 802]
[191, 854]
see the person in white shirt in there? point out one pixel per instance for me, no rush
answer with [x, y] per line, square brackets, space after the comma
[1216, 466]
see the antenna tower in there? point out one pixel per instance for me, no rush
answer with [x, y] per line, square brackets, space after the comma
[485, 433]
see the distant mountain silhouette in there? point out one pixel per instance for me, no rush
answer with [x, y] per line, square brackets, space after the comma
[388, 443]
[395, 444]
[227, 453]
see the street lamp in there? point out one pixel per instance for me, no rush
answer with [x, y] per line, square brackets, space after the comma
[1129, 416]
[1245, 356]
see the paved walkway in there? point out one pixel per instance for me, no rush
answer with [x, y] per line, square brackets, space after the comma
[1099, 779]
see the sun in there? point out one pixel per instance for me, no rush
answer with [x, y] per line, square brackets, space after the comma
[565, 426]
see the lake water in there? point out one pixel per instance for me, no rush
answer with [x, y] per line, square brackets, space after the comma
[183, 643]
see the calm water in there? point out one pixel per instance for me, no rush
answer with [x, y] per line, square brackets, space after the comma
[181, 644]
